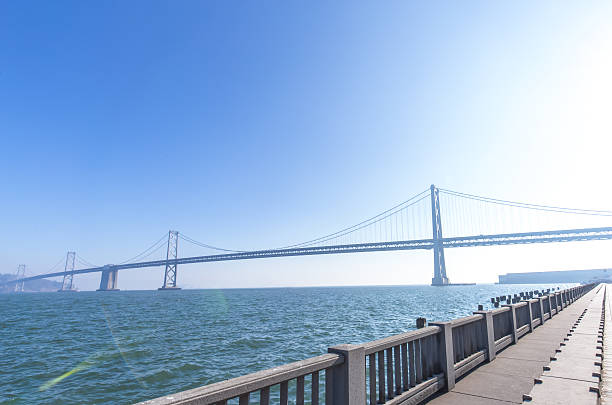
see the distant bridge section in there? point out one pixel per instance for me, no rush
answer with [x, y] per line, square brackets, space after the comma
[415, 224]
[425, 244]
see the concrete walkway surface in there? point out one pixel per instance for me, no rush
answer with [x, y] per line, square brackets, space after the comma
[558, 363]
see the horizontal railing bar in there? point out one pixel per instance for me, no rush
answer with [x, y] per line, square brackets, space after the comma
[502, 343]
[498, 311]
[382, 344]
[235, 387]
[455, 323]
[469, 363]
[522, 330]
[418, 393]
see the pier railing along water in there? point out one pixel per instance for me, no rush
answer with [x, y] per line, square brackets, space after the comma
[405, 368]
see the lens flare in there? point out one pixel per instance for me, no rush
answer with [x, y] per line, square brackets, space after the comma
[116, 342]
[84, 365]
[219, 302]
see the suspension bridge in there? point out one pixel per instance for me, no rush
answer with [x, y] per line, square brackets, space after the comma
[415, 224]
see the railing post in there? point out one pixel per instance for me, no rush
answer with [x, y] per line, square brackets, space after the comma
[489, 333]
[560, 300]
[447, 354]
[530, 316]
[513, 322]
[541, 300]
[349, 377]
[550, 306]
[563, 300]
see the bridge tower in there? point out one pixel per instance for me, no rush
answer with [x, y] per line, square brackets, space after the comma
[68, 275]
[20, 274]
[439, 277]
[171, 263]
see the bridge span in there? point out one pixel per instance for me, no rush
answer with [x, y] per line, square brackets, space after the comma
[325, 245]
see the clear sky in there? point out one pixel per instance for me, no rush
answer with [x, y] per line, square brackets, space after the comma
[257, 124]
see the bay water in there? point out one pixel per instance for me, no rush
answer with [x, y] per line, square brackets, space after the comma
[128, 346]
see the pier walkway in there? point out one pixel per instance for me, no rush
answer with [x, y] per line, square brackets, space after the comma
[558, 363]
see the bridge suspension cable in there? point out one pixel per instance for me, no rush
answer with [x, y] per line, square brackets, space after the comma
[207, 246]
[578, 211]
[149, 251]
[394, 223]
[377, 219]
[84, 262]
[56, 265]
[468, 214]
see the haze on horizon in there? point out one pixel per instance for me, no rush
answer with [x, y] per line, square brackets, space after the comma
[250, 125]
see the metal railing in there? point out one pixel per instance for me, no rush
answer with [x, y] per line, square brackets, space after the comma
[409, 367]
[406, 365]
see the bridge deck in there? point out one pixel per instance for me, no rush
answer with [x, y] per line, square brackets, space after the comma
[569, 360]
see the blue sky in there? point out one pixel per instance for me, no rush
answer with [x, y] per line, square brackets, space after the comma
[251, 124]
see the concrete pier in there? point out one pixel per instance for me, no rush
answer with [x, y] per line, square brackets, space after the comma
[108, 280]
[557, 363]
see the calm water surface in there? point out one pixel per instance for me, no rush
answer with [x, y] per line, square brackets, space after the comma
[128, 346]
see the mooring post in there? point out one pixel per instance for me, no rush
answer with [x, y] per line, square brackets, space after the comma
[348, 378]
[447, 355]
[489, 333]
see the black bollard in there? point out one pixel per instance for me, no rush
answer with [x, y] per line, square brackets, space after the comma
[480, 307]
[420, 323]
[496, 305]
[492, 300]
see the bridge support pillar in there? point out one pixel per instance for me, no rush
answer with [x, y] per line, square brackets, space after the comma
[171, 263]
[439, 278]
[67, 284]
[108, 280]
[20, 274]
